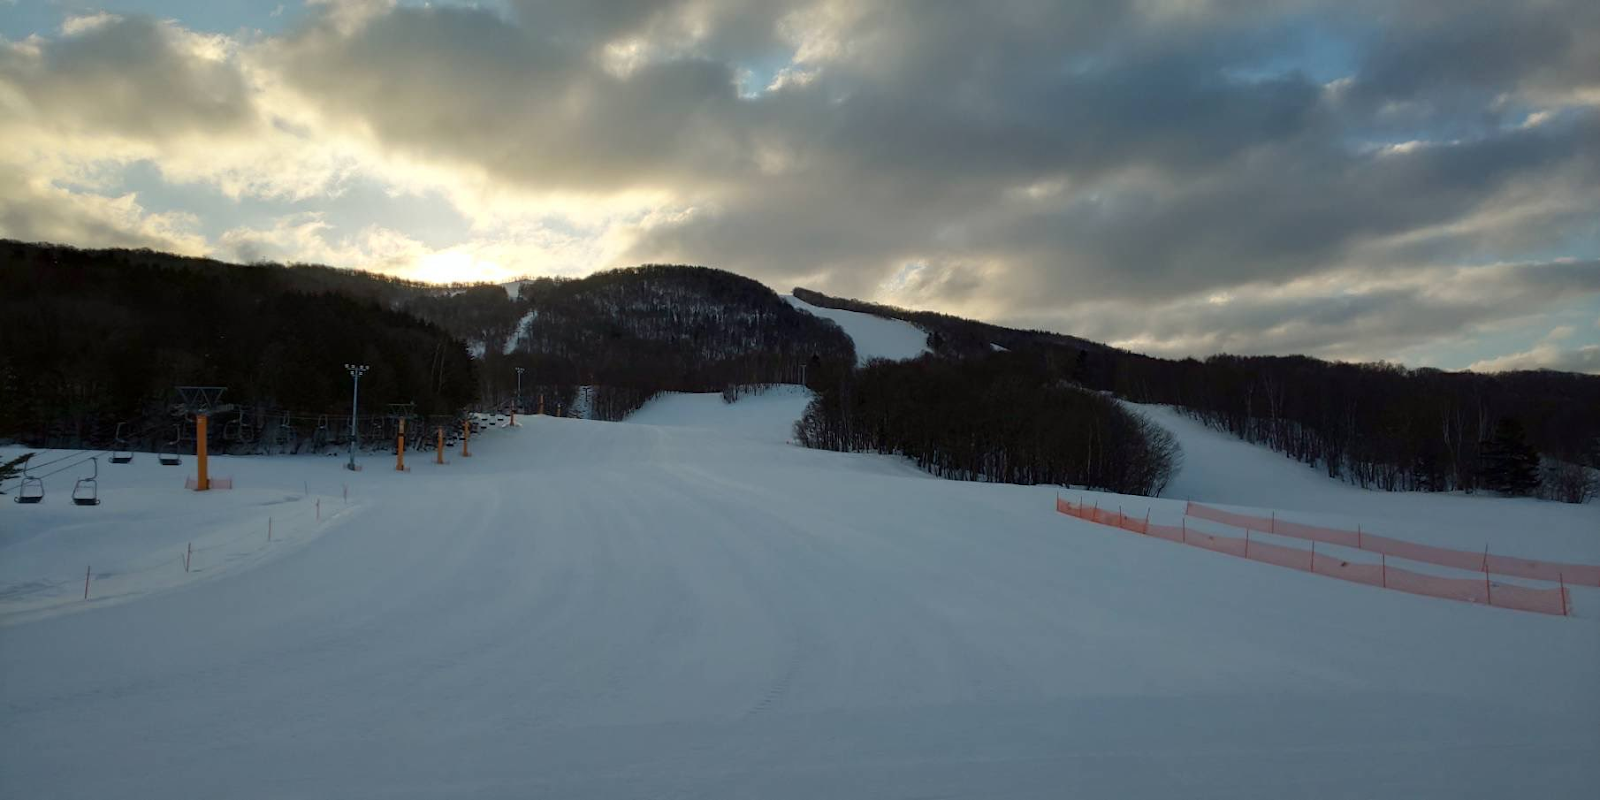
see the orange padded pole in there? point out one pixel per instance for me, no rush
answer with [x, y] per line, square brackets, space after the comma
[203, 480]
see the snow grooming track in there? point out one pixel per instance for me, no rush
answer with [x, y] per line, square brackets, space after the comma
[598, 610]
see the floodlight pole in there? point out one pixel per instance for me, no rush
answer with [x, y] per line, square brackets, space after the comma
[356, 371]
[518, 406]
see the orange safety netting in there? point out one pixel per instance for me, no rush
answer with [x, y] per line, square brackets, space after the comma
[1470, 590]
[1558, 571]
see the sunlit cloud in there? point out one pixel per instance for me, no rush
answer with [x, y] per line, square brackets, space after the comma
[1170, 177]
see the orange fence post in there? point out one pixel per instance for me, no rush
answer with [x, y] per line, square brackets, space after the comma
[400, 449]
[439, 448]
[466, 436]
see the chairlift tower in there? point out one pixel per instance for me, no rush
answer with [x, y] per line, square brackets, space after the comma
[356, 371]
[201, 402]
[519, 397]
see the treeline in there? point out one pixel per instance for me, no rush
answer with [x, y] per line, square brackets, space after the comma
[1004, 417]
[630, 333]
[1386, 427]
[91, 338]
[1378, 426]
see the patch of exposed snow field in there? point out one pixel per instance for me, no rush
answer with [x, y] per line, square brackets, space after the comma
[686, 606]
[875, 337]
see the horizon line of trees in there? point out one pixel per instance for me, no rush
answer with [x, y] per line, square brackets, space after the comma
[1003, 417]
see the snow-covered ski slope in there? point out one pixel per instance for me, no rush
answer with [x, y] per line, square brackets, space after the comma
[597, 610]
[767, 415]
[1221, 469]
[875, 337]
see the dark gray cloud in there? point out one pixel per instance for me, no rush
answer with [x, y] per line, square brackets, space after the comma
[134, 76]
[1081, 164]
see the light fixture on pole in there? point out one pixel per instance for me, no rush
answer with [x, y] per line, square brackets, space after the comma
[356, 371]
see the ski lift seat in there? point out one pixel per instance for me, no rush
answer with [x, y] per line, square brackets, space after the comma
[31, 491]
[86, 492]
[121, 457]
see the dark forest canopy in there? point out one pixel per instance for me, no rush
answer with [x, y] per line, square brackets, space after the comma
[1006, 417]
[91, 338]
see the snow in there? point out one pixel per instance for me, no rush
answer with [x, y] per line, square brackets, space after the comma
[683, 605]
[477, 348]
[768, 416]
[513, 289]
[875, 337]
[523, 325]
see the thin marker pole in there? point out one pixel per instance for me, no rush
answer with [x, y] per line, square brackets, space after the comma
[87, 569]
[1559, 576]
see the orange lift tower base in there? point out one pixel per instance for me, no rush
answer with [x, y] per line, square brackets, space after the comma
[466, 436]
[201, 401]
[203, 479]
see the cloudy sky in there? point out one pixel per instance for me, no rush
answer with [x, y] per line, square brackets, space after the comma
[1410, 181]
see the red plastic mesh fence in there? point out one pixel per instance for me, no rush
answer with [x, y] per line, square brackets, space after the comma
[1470, 590]
[1559, 571]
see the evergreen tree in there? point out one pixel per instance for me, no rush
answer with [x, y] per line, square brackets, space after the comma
[1508, 464]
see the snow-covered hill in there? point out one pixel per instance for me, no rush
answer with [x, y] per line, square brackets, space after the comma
[1220, 468]
[661, 609]
[875, 337]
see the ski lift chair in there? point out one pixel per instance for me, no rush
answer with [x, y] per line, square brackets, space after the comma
[121, 454]
[86, 492]
[169, 451]
[31, 490]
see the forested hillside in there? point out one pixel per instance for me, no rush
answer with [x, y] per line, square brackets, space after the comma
[1007, 417]
[89, 339]
[633, 332]
[1380, 426]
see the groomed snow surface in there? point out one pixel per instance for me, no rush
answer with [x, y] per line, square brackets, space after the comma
[875, 337]
[687, 606]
